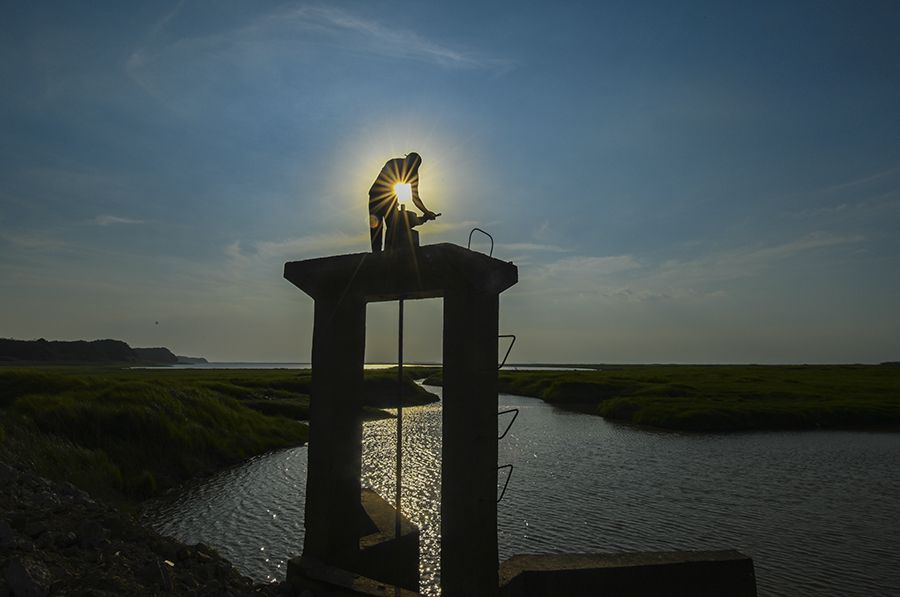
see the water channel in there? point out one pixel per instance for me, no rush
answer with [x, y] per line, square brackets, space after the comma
[816, 510]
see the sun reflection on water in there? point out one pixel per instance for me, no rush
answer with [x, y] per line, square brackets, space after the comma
[421, 479]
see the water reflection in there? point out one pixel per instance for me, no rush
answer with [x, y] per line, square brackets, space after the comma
[817, 511]
[252, 513]
[421, 477]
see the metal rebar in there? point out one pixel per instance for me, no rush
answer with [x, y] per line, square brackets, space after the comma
[397, 519]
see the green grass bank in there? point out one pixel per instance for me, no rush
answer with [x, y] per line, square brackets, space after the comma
[722, 398]
[127, 434]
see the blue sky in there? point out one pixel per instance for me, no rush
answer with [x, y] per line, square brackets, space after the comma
[680, 182]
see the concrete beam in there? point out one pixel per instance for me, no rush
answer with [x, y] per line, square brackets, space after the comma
[648, 574]
[425, 272]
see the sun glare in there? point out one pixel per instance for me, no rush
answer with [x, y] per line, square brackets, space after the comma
[403, 191]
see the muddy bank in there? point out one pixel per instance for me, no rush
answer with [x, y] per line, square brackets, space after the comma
[56, 540]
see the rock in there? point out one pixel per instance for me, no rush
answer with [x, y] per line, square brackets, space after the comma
[17, 520]
[70, 490]
[90, 534]
[210, 589]
[91, 550]
[25, 545]
[156, 573]
[44, 499]
[70, 551]
[44, 541]
[189, 581]
[7, 473]
[202, 548]
[7, 537]
[67, 540]
[27, 578]
[36, 530]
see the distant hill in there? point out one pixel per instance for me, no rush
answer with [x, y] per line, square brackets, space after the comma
[96, 351]
[83, 351]
[156, 355]
[191, 360]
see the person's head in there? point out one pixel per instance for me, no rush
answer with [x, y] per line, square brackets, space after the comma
[413, 161]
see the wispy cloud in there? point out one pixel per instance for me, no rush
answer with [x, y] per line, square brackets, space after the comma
[397, 43]
[532, 247]
[108, 220]
[591, 267]
[891, 174]
[579, 275]
[287, 39]
[748, 261]
[296, 248]
[38, 242]
[852, 198]
[635, 278]
[817, 212]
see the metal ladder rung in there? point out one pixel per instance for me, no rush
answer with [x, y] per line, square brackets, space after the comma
[469, 246]
[508, 350]
[515, 412]
[508, 477]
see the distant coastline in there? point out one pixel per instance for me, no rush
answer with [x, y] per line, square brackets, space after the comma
[94, 352]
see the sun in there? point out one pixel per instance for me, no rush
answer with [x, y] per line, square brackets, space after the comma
[403, 190]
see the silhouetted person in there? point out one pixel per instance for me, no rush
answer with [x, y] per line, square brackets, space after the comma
[383, 198]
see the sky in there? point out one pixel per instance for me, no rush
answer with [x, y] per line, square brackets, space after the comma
[677, 182]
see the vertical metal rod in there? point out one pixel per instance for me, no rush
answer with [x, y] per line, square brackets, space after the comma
[399, 423]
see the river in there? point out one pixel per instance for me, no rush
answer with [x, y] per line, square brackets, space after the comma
[816, 510]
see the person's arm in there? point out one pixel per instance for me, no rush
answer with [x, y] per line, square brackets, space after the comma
[414, 188]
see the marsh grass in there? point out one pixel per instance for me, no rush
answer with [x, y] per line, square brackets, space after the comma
[723, 398]
[127, 434]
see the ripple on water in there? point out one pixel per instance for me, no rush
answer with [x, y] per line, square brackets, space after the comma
[251, 513]
[817, 511]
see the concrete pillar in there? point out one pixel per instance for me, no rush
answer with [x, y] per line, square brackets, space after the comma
[335, 431]
[469, 557]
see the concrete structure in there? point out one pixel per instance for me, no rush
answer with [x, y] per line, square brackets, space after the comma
[654, 574]
[470, 284]
[349, 549]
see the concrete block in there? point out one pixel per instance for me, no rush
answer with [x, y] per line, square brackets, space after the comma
[657, 574]
[309, 574]
[383, 557]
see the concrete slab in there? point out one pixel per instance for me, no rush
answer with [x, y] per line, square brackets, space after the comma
[306, 573]
[425, 272]
[657, 574]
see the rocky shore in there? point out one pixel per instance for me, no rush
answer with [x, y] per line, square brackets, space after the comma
[56, 540]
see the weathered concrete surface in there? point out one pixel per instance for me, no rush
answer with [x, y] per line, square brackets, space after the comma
[469, 553]
[306, 573]
[335, 432]
[425, 272]
[382, 556]
[657, 574]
